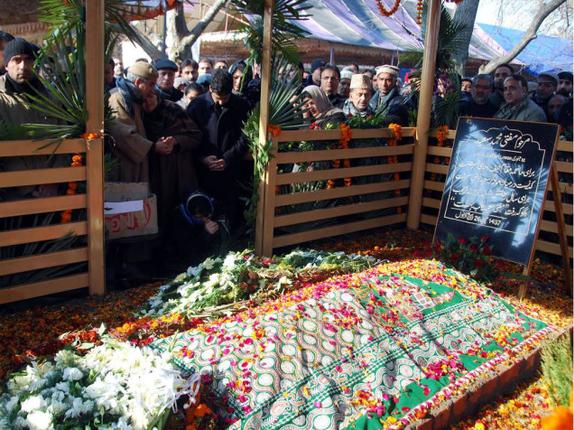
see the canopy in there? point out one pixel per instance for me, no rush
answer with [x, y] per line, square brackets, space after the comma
[542, 54]
[360, 23]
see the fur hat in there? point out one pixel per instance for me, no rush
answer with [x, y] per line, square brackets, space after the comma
[143, 70]
[387, 68]
[360, 81]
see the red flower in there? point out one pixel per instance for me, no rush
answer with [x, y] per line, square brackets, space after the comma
[462, 240]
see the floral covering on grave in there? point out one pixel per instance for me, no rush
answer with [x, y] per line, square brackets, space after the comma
[373, 349]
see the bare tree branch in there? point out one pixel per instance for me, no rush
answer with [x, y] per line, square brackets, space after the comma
[146, 44]
[528, 36]
[187, 41]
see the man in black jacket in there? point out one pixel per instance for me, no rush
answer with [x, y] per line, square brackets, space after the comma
[224, 151]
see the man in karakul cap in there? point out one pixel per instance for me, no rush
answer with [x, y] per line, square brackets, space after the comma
[360, 94]
[565, 84]
[166, 70]
[130, 143]
[345, 82]
[547, 85]
[387, 101]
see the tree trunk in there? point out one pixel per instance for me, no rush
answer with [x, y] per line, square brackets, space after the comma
[530, 34]
[466, 15]
[177, 29]
[188, 40]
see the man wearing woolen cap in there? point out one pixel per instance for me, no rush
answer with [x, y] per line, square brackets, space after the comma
[19, 83]
[130, 143]
[387, 101]
[358, 102]
[166, 70]
[4, 39]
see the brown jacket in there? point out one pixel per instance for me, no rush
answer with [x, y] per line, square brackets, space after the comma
[15, 109]
[130, 144]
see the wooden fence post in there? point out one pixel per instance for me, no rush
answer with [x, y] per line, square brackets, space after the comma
[263, 123]
[95, 150]
[424, 114]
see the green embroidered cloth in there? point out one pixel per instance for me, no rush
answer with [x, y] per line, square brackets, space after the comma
[364, 351]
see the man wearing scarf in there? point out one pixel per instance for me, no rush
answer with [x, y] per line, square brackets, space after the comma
[358, 102]
[130, 143]
[387, 101]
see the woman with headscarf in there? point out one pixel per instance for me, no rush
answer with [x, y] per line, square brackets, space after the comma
[318, 109]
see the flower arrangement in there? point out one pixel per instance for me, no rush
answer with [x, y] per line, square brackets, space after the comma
[243, 275]
[114, 386]
[470, 256]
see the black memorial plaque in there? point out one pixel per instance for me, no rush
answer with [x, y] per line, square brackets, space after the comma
[496, 184]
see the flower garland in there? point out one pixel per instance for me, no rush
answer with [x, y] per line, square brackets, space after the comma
[441, 137]
[346, 136]
[274, 130]
[420, 12]
[66, 216]
[393, 141]
[389, 12]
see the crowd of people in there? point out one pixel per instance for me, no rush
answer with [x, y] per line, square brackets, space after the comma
[178, 126]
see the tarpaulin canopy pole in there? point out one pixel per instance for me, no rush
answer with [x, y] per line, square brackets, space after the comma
[260, 247]
[95, 145]
[424, 114]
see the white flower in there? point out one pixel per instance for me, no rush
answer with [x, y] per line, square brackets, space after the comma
[63, 386]
[20, 423]
[57, 407]
[194, 271]
[208, 263]
[65, 358]
[229, 262]
[79, 407]
[11, 404]
[39, 420]
[213, 280]
[33, 403]
[72, 374]
[284, 280]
